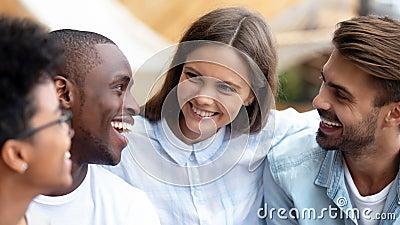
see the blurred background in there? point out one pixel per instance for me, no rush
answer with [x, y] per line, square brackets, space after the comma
[302, 28]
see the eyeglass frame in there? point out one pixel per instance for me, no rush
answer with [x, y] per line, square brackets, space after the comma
[67, 116]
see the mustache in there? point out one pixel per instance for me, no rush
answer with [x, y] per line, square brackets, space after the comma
[328, 115]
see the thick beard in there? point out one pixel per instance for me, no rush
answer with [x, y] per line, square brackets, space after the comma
[356, 139]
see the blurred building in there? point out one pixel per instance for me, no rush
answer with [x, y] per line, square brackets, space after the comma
[303, 30]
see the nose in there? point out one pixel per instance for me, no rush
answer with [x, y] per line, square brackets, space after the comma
[321, 101]
[130, 104]
[203, 100]
[206, 94]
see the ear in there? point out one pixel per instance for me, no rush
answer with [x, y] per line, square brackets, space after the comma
[392, 118]
[64, 91]
[14, 155]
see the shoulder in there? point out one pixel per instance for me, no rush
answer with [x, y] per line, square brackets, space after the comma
[110, 181]
[122, 198]
[289, 120]
[283, 123]
[295, 162]
[108, 184]
[296, 152]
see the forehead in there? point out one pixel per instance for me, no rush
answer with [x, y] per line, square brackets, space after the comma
[112, 63]
[340, 71]
[217, 57]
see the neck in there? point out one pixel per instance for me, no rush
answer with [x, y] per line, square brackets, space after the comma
[15, 199]
[78, 173]
[13, 213]
[12, 221]
[373, 172]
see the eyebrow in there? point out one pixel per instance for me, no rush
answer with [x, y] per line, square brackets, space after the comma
[122, 77]
[237, 87]
[336, 86]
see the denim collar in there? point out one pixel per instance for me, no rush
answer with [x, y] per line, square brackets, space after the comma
[331, 172]
[331, 176]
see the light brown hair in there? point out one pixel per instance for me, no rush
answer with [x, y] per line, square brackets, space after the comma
[372, 43]
[248, 32]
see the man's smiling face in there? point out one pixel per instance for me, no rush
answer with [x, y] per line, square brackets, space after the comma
[105, 108]
[345, 103]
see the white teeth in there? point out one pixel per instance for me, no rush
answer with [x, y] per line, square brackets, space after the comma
[67, 155]
[331, 124]
[125, 127]
[202, 113]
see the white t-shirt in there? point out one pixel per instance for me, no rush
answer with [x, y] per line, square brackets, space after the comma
[36, 218]
[101, 199]
[369, 206]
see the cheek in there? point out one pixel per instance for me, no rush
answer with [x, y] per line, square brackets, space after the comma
[56, 143]
[348, 116]
[186, 91]
[230, 108]
[51, 150]
[98, 113]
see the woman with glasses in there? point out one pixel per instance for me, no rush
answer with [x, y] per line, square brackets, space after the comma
[35, 136]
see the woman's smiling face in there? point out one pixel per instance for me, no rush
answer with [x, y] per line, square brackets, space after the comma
[212, 89]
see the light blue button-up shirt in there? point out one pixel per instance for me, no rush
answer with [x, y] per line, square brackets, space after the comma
[215, 181]
[305, 184]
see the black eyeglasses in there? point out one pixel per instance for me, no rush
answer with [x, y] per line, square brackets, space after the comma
[65, 118]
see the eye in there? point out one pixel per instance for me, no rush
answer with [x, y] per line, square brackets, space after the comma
[119, 87]
[226, 88]
[340, 96]
[192, 77]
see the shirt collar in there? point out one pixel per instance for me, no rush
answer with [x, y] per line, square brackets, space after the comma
[180, 151]
[331, 172]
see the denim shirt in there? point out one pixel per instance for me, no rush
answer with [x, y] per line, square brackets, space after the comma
[303, 180]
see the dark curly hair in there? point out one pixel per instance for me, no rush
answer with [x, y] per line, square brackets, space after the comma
[79, 53]
[28, 57]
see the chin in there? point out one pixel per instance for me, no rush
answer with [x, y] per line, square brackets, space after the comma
[114, 162]
[114, 159]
